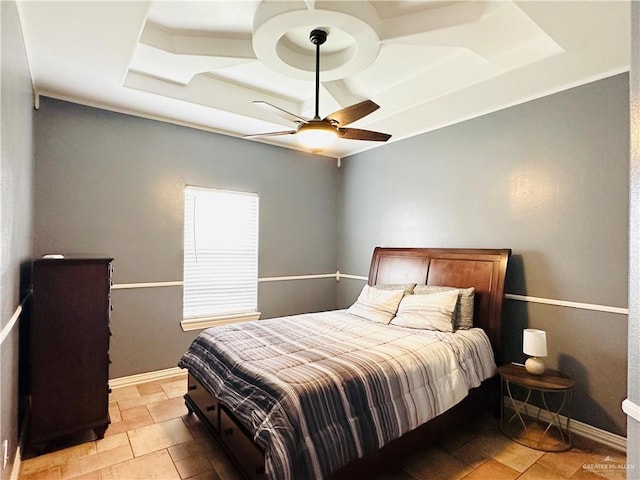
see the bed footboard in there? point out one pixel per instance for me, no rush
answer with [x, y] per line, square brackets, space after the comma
[234, 439]
[249, 458]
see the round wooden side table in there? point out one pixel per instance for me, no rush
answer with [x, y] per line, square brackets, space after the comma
[536, 409]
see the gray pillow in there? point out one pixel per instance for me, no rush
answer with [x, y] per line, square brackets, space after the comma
[407, 287]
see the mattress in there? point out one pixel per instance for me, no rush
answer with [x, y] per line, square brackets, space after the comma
[319, 390]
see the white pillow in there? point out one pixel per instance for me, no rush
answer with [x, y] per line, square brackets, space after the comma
[376, 304]
[429, 312]
[463, 316]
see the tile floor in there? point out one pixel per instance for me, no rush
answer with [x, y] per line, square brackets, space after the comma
[152, 436]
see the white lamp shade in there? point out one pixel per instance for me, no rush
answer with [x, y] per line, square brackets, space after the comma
[534, 342]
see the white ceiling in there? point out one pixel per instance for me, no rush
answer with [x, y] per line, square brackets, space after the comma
[426, 63]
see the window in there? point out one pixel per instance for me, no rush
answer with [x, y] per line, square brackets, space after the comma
[220, 257]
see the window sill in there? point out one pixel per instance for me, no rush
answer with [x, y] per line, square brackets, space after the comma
[202, 323]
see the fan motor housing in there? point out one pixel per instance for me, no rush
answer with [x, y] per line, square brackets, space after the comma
[318, 37]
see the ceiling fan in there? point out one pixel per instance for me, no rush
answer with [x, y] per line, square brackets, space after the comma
[316, 132]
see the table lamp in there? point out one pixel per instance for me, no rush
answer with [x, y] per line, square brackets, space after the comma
[534, 343]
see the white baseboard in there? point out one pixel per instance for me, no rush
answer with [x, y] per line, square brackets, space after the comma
[147, 377]
[616, 442]
[603, 437]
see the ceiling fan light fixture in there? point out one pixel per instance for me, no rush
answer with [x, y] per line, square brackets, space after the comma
[316, 135]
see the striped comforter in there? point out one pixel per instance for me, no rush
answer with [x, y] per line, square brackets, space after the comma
[320, 390]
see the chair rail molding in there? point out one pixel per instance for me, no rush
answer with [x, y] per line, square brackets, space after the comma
[632, 409]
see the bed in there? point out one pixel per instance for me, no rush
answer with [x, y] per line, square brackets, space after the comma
[335, 395]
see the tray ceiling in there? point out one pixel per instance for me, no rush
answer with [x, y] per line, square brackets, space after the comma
[426, 63]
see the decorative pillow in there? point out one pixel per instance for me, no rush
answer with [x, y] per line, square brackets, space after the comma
[376, 304]
[407, 287]
[463, 316]
[428, 312]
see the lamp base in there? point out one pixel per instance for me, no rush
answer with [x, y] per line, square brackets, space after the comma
[534, 365]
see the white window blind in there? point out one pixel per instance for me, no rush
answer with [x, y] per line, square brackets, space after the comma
[220, 253]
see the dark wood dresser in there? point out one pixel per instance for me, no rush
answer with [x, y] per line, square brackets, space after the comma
[68, 370]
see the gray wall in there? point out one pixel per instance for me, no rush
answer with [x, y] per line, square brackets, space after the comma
[548, 179]
[633, 376]
[16, 206]
[112, 184]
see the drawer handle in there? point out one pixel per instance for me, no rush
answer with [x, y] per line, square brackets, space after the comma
[211, 408]
[193, 387]
[228, 431]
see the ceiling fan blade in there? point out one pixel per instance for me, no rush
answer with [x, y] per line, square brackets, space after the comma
[292, 117]
[357, 134]
[354, 112]
[270, 134]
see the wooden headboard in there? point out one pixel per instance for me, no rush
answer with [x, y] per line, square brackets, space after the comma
[483, 269]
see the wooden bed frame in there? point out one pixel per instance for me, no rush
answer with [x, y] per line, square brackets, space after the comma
[484, 269]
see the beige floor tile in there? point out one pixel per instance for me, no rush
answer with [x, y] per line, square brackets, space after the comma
[191, 448]
[474, 457]
[190, 466]
[172, 408]
[123, 393]
[114, 412]
[608, 464]
[565, 463]
[190, 420]
[48, 474]
[158, 436]
[157, 465]
[539, 435]
[113, 441]
[50, 460]
[141, 400]
[150, 388]
[134, 413]
[223, 466]
[177, 388]
[210, 475]
[493, 470]
[539, 472]
[453, 441]
[88, 476]
[179, 445]
[496, 445]
[435, 464]
[587, 473]
[517, 456]
[587, 444]
[92, 463]
[601, 454]
[196, 427]
[492, 442]
[125, 426]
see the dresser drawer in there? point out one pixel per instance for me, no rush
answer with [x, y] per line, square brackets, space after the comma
[206, 403]
[235, 439]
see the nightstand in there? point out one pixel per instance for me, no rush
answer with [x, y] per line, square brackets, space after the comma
[545, 426]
